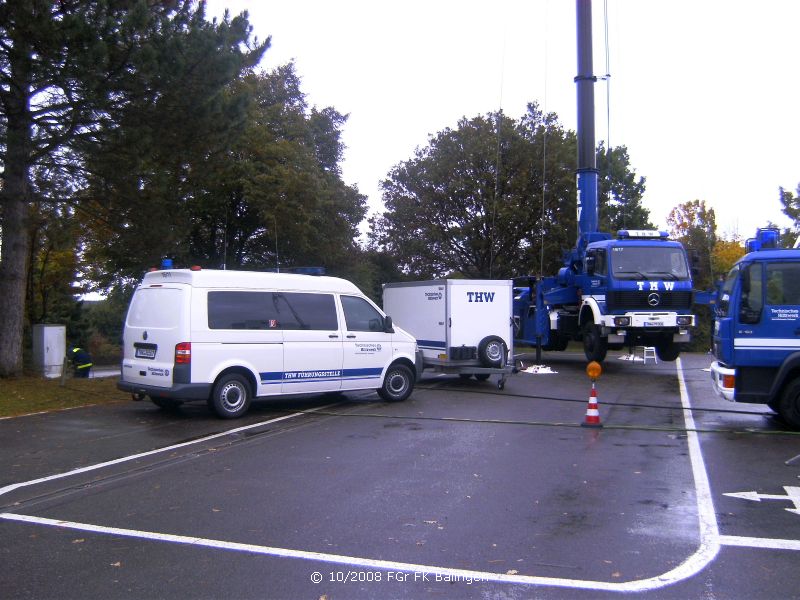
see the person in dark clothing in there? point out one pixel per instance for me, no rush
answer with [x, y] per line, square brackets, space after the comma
[81, 362]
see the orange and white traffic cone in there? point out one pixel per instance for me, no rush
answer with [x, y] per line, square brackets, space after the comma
[592, 411]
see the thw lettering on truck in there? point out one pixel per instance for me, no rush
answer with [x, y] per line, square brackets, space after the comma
[480, 296]
[668, 285]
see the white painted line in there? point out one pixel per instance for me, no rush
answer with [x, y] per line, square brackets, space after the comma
[14, 486]
[706, 552]
[752, 542]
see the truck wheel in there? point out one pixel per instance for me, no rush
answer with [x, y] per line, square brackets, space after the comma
[668, 351]
[231, 396]
[595, 346]
[398, 384]
[789, 407]
[492, 351]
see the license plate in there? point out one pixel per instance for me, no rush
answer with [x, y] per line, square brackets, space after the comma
[654, 323]
[146, 353]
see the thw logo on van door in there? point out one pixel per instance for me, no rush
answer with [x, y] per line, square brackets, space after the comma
[480, 296]
[653, 285]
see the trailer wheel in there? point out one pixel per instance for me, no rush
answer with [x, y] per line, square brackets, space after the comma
[492, 351]
[789, 407]
[595, 346]
[482, 376]
[668, 351]
[398, 383]
[231, 396]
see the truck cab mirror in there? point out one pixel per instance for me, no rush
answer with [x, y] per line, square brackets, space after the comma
[745, 281]
[590, 265]
[751, 297]
[387, 324]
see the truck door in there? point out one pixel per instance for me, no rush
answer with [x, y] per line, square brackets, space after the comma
[312, 342]
[367, 347]
[781, 322]
[750, 328]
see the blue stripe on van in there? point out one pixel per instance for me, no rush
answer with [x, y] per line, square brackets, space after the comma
[277, 377]
[432, 344]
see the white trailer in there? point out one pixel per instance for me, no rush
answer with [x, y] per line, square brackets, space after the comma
[462, 326]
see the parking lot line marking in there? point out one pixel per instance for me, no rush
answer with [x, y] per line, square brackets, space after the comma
[117, 461]
[352, 561]
[707, 550]
[754, 542]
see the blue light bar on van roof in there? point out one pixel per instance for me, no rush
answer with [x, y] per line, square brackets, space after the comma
[642, 234]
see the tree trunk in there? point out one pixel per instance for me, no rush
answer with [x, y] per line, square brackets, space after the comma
[16, 197]
[13, 273]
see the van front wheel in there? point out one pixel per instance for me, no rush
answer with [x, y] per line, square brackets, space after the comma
[398, 384]
[231, 396]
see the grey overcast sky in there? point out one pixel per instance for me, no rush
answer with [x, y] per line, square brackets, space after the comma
[704, 93]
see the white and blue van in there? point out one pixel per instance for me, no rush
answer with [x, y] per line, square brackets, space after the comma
[227, 337]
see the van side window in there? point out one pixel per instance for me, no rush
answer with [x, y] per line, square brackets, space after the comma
[240, 310]
[297, 310]
[271, 310]
[360, 315]
[783, 284]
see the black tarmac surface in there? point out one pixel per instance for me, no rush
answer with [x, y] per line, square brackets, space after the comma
[463, 491]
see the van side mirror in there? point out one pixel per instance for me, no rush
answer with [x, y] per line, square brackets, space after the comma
[387, 324]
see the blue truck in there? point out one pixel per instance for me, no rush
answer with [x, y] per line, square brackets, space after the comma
[756, 341]
[635, 289]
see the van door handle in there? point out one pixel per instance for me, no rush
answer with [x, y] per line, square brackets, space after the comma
[333, 335]
[351, 336]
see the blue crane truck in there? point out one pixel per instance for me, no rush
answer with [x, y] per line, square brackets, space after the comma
[635, 289]
[756, 341]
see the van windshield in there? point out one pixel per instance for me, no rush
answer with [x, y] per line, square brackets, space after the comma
[156, 308]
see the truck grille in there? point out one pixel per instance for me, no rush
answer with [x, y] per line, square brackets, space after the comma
[636, 300]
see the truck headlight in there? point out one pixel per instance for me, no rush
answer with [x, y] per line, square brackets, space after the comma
[684, 320]
[622, 321]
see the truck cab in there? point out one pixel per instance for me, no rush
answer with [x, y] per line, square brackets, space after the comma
[757, 329]
[635, 289]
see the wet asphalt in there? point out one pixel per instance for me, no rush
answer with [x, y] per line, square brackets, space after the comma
[462, 491]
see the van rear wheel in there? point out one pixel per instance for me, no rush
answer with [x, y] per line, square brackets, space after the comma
[398, 384]
[231, 396]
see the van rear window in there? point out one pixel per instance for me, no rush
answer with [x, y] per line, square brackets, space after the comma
[271, 310]
[158, 308]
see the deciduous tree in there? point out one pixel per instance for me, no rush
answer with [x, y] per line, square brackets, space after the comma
[495, 197]
[68, 71]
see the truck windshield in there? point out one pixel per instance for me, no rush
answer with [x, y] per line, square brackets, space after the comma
[649, 262]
